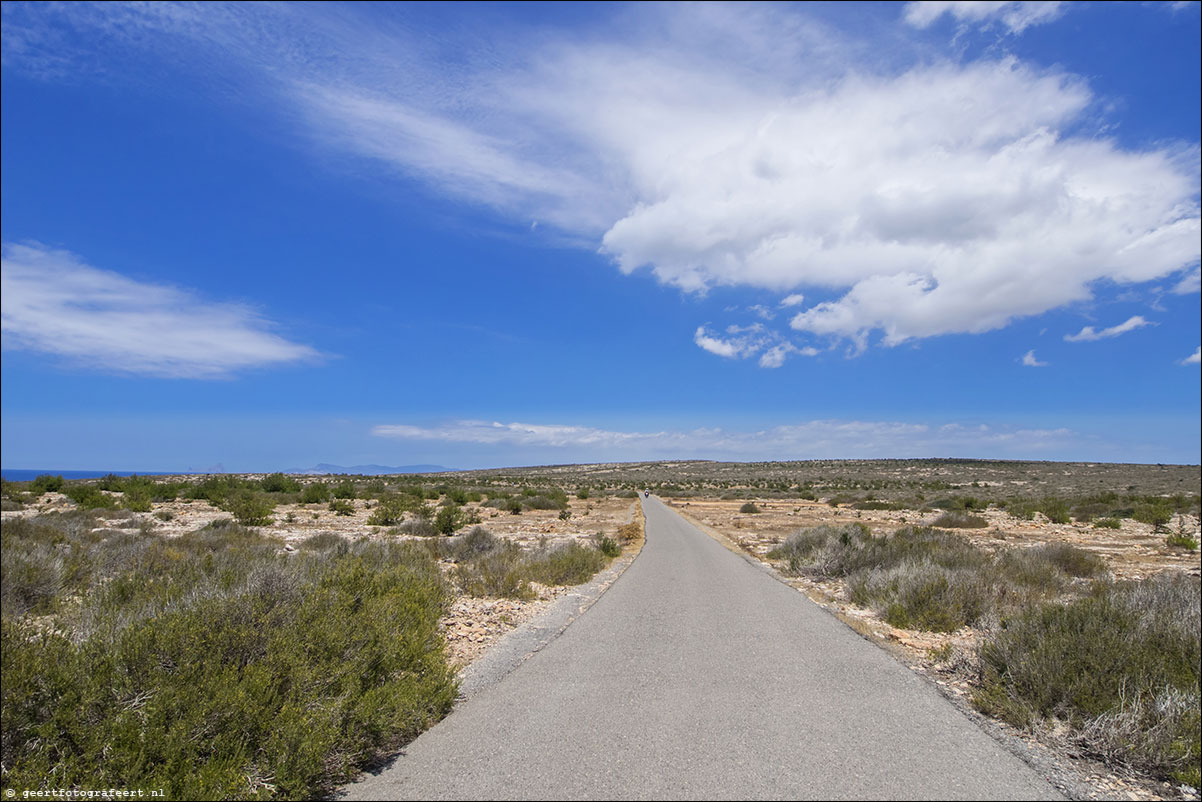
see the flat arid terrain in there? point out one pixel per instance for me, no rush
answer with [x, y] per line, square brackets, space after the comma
[1035, 534]
[472, 624]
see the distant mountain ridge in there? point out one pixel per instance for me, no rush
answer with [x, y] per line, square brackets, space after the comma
[369, 470]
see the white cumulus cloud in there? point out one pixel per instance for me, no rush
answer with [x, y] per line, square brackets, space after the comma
[796, 299]
[1195, 358]
[742, 342]
[1088, 334]
[54, 303]
[1030, 361]
[739, 146]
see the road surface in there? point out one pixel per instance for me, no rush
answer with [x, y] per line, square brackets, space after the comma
[698, 676]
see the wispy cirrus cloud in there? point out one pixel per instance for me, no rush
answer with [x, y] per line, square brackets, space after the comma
[1015, 15]
[806, 440]
[1089, 334]
[54, 303]
[1192, 282]
[753, 147]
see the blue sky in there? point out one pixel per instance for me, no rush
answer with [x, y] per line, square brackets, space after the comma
[265, 236]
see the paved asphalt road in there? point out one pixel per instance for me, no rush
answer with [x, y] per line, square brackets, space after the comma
[697, 676]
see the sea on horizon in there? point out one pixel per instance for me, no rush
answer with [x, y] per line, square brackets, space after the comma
[23, 475]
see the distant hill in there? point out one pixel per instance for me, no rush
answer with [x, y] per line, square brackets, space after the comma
[369, 470]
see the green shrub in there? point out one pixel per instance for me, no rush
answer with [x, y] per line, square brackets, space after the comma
[1072, 560]
[10, 493]
[1182, 540]
[344, 490]
[137, 499]
[806, 549]
[476, 542]
[1155, 733]
[447, 520]
[249, 508]
[1107, 523]
[389, 512]
[341, 506]
[90, 497]
[608, 546]
[111, 482]
[925, 578]
[541, 502]
[749, 508]
[1157, 513]
[488, 566]
[1055, 509]
[45, 483]
[325, 541]
[1125, 644]
[418, 525]
[569, 564]
[499, 572]
[1023, 576]
[922, 595]
[279, 483]
[958, 503]
[280, 681]
[315, 493]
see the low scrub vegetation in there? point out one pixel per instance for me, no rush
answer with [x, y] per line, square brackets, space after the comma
[1120, 664]
[490, 566]
[925, 578]
[1184, 538]
[1117, 662]
[248, 507]
[214, 665]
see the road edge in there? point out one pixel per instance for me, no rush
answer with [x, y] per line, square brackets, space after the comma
[1064, 778]
[519, 645]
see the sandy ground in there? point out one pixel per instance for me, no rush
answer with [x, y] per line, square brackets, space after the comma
[1132, 552]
